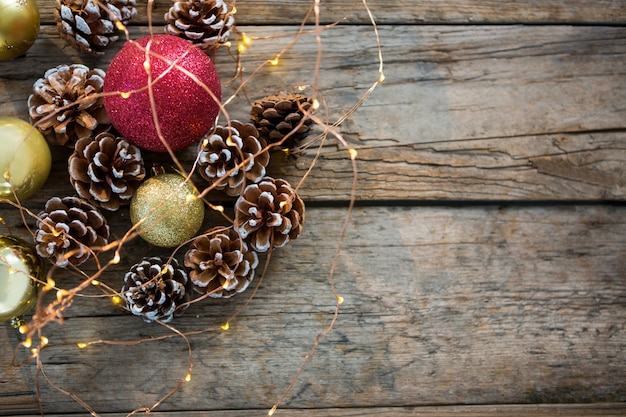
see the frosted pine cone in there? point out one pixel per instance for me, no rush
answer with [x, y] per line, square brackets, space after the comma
[69, 231]
[106, 170]
[64, 104]
[278, 116]
[90, 27]
[221, 155]
[206, 23]
[220, 263]
[156, 290]
[269, 214]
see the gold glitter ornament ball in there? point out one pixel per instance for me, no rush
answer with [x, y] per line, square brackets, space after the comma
[19, 27]
[166, 210]
[20, 271]
[25, 159]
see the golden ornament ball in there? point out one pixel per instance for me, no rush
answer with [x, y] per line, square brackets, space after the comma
[166, 210]
[25, 159]
[19, 27]
[21, 270]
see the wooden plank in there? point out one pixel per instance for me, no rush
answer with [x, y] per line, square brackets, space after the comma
[484, 305]
[282, 12]
[465, 113]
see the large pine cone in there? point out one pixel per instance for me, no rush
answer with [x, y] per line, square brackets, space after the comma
[277, 116]
[220, 263]
[221, 155]
[64, 104]
[207, 23]
[156, 290]
[269, 214]
[69, 231]
[106, 170]
[90, 27]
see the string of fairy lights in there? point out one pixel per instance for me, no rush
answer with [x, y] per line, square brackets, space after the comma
[58, 299]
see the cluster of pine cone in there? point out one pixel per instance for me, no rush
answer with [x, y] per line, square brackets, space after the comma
[105, 169]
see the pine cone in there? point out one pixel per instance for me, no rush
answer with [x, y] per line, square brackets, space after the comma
[69, 231]
[90, 27]
[106, 170]
[278, 116]
[207, 23]
[220, 263]
[269, 214]
[64, 105]
[156, 289]
[220, 156]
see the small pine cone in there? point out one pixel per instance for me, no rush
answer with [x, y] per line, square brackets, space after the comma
[220, 156]
[89, 26]
[220, 263]
[278, 116]
[69, 231]
[206, 23]
[156, 289]
[106, 170]
[64, 104]
[269, 214]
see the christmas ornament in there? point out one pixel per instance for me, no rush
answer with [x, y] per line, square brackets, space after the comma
[106, 170]
[279, 115]
[89, 26]
[25, 159]
[156, 289]
[65, 105]
[19, 27]
[269, 214]
[220, 263]
[206, 23]
[69, 231]
[230, 156]
[166, 211]
[20, 272]
[185, 110]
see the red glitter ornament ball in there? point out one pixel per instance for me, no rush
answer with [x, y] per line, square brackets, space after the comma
[185, 110]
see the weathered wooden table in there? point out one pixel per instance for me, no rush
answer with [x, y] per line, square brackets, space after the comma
[484, 268]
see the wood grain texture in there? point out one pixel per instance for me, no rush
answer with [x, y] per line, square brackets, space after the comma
[285, 12]
[465, 113]
[485, 305]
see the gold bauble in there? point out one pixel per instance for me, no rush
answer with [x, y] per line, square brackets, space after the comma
[166, 210]
[25, 159]
[21, 270]
[19, 27]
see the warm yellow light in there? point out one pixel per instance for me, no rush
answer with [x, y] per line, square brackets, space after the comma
[381, 78]
[119, 25]
[282, 204]
[274, 61]
[146, 65]
[34, 351]
[219, 208]
[50, 284]
[95, 282]
[116, 259]
[241, 48]
[81, 345]
[229, 141]
[116, 300]
[28, 342]
[353, 153]
[205, 142]
[339, 300]
[233, 10]
[190, 198]
[62, 293]
[125, 94]
[22, 329]
[44, 340]
[226, 284]
[187, 377]
[316, 104]
[271, 412]
[245, 39]
[225, 326]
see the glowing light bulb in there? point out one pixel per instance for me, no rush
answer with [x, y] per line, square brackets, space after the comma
[353, 153]
[50, 284]
[381, 78]
[229, 141]
[61, 294]
[271, 412]
[241, 48]
[187, 377]
[120, 26]
[116, 300]
[245, 39]
[125, 94]
[44, 340]
[219, 208]
[28, 342]
[339, 300]
[316, 104]
[22, 329]
[234, 10]
[146, 65]
[275, 61]
[95, 282]
[190, 198]
[225, 326]
[116, 259]
[81, 345]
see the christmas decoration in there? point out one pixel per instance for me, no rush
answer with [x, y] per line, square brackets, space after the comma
[25, 159]
[185, 110]
[269, 214]
[279, 115]
[156, 289]
[220, 263]
[64, 105]
[20, 272]
[106, 170]
[19, 27]
[231, 155]
[206, 23]
[69, 231]
[166, 211]
[89, 25]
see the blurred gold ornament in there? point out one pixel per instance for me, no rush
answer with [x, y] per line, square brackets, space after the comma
[25, 159]
[19, 27]
[166, 210]
[21, 270]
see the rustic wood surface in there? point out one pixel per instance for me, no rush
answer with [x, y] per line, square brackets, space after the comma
[484, 269]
